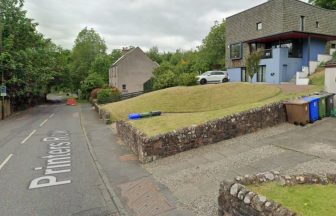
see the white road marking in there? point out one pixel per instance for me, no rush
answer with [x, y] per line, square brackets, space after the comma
[45, 121]
[38, 168]
[31, 134]
[52, 115]
[5, 161]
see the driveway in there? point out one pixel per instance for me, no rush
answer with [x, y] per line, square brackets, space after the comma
[194, 176]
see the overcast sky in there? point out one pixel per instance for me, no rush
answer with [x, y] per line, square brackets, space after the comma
[168, 24]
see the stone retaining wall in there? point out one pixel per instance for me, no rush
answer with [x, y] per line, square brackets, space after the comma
[151, 148]
[235, 199]
[105, 116]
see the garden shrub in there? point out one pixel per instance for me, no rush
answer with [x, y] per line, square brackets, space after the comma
[108, 95]
[93, 81]
[94, 93]
[187, 79]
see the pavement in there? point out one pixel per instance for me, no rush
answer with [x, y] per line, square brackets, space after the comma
[194, 176]
[133, 187]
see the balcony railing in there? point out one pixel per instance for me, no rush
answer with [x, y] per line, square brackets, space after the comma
[267, 54]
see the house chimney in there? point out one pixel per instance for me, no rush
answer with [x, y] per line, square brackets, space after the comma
[125, 50]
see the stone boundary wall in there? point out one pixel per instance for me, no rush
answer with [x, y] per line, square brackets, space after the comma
[235, 199]
[151, 148]
[105, 116]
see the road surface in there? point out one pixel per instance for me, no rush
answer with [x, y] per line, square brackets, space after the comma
[46, 167]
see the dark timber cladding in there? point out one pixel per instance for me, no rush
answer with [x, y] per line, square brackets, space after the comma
[275, 17]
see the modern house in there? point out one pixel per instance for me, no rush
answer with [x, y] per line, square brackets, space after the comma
[131, 71]
[291, 34]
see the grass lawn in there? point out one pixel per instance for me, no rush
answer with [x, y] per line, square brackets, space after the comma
[187, 106]
[318, 77]
[306, 200]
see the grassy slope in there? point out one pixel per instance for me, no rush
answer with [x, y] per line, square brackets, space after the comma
[306, 200]
[318, 77]
[186, 106]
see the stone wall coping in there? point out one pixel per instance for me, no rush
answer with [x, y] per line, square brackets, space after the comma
[238, 190]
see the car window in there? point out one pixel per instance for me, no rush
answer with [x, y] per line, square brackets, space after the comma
[206, 73]
[213, 73]
[220, 73]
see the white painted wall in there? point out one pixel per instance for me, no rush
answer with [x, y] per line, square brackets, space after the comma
[330, 80]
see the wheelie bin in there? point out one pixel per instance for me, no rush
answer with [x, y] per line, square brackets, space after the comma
[322, 109]
[329, 102]
[297, 112]
[313, 108]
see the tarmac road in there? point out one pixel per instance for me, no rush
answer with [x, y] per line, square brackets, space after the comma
[46, 167]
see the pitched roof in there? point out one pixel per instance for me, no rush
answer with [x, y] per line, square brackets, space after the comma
[124, 56]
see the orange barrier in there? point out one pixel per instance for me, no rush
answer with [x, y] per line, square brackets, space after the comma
[71, 102]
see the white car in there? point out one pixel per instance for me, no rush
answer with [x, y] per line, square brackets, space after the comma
[213, 77]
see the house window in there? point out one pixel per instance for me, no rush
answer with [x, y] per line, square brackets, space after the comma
[259, 26]
[261, 75]
[236, 51]
[317, 24]
[124, 87]
[244, 75]
[302, 23]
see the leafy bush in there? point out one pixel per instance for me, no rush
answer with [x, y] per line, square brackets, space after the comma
[165, 80]
[187, 79]
[108, 95]
[91, 82]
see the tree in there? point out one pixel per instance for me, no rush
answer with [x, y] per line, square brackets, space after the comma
[154, 54]
[30, 63]
[165, 80]
[93, 81]
[252, 64]
[101, 66]
[328, 4]
[88, 45]
[212, 51]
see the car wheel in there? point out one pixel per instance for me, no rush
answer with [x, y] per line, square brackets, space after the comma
[225, 80]
[203, 82]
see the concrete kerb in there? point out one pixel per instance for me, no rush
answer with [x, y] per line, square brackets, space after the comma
[112, 198]
[236, 199]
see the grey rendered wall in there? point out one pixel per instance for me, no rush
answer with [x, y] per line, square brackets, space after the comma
[135, 70]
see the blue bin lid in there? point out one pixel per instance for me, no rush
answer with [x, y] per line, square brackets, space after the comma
[311, 99]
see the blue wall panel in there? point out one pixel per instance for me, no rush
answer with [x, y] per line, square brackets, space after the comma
[317, 46]
[234, 74]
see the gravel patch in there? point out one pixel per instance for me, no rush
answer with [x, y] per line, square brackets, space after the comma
[318, 166]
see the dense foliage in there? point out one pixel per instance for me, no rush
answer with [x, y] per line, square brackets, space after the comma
[328, 4]
[108, 95]
[33, 66]
[181, 67]
[30, 63]
[91, 82]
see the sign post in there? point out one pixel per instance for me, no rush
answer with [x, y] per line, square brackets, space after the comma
[3, 94]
